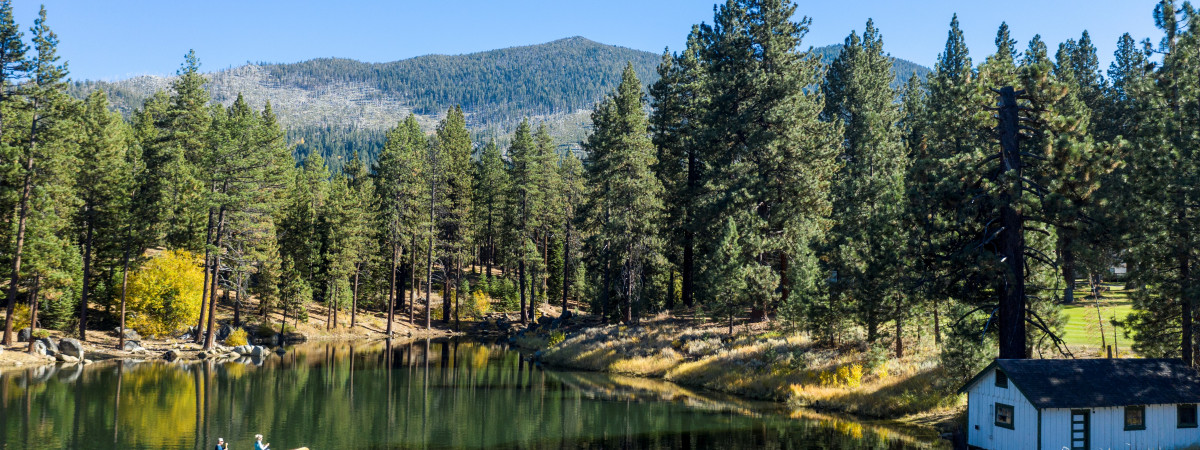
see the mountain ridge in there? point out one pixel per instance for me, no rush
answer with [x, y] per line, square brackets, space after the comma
[337, 105]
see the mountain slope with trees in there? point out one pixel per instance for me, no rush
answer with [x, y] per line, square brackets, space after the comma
[336, 105]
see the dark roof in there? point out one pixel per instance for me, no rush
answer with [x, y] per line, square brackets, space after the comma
[1095, 383]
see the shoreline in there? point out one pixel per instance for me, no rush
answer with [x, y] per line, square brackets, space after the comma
[912, 396]
[583, 344]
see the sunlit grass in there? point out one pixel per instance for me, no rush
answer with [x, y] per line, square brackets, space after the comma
[772, 366]
[1086, 317]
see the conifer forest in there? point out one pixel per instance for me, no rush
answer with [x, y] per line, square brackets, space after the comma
[747, 183]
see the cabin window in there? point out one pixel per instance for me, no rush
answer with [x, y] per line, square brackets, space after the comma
[1186, 415]
[1135, 417]
[1001, 379]
[1004, 415]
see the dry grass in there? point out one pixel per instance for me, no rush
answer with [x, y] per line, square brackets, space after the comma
[766, 365]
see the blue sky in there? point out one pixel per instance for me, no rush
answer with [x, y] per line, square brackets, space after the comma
[113, 39]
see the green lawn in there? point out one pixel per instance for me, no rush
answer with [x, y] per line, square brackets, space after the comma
[1082, 331]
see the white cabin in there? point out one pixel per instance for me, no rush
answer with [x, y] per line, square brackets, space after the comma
[1053, 404]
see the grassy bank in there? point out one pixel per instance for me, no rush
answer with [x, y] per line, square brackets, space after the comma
[765, 365]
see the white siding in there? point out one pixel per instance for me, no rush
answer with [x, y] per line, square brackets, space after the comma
[1108, 429]
[982, 431]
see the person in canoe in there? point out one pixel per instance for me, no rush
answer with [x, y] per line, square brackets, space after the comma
[258, 443]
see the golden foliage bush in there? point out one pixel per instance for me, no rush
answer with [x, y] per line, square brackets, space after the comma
[481, 304]
[236, 338]
[164, 294]
[20, 316]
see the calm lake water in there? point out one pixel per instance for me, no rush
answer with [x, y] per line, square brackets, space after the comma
[422, 394]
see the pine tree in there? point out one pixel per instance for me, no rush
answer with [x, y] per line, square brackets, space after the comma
[572, 175]
[626, 202]
[491, 186]
[247, 166]
[398, 187]
[102, 184]
[525, 202]
[867, 238]
[185, 147]
[1166, 173]
[43, 156]
[360, 212]
[453, 142]
[768, 155]
[943, 126]
[725, 276]
[678, 102]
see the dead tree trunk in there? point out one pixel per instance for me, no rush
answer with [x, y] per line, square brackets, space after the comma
[1010, 243]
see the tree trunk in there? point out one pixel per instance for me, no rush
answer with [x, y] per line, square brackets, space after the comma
[212, 304]
[22, 215]
[670, 303]
[1185, 287]
[1067, 257]
[354, 301]
[1010, 243]
[87, 278]
[688, 269]
[205, 295]
[429, 266]
[124, 288]
[446, 293]
[33, 310]
[899, 326]
[937, 325]
[566, 278]
[413, 285]
[521, 286]
[392, 289]
[785, 284]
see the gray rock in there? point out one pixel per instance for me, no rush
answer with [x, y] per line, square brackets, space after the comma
[63, 357]
[24, 335]
[39, 347]
[257, 352]
[243, 349]
[71, 346]
[51, 347]
[129, 333]
[281, 350]
[202, 355]
[171, 355]
[224, 332]
[132, 346]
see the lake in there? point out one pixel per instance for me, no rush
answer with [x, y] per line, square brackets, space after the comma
[447, 393]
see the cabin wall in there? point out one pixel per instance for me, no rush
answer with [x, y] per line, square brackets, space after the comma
[1108, 429]
[982, 431]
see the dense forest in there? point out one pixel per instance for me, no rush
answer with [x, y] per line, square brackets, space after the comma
[749, 182]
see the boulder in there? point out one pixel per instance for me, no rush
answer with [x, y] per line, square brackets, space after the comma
[39, 348]
[202, 355]
[51, 347]
[257, 351]
[171, 355]
[133, 346]
[63, 357]
[71, 346]
[243, 349]
[129, 334]
[281, 350]
[224, 332]
[24, 335]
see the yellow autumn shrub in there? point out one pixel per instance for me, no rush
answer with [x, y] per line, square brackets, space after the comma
[20, 316]
[236, 338]
[164, 294]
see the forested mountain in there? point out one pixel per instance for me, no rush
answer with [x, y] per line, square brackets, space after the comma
[336, 104]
